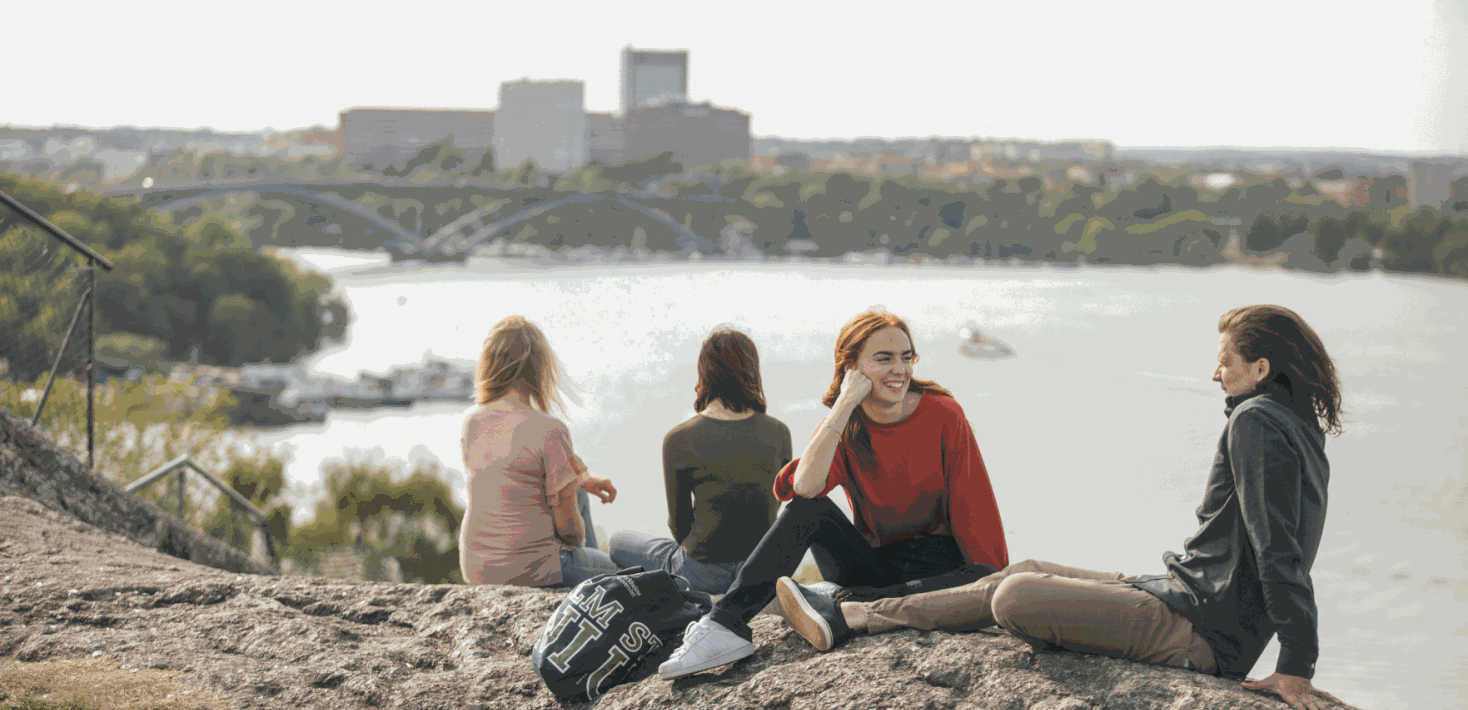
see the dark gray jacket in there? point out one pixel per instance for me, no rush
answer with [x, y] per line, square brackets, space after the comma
[1245, 575]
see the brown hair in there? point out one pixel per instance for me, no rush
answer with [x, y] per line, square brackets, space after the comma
[728, 370]
[1297, 357]
[849, 344]
[517, 355]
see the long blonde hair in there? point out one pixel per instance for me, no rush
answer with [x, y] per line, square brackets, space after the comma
[516, 355]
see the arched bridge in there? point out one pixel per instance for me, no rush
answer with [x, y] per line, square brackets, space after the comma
[178, 197]
[453, 241]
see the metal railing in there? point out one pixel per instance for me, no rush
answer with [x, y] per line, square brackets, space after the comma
[181, 466]
[36, 277]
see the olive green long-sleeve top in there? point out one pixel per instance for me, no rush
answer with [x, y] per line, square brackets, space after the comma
[719, 477]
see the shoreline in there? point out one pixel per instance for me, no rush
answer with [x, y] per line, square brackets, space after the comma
[480, 265]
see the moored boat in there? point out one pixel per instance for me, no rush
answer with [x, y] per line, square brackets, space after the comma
[979, 346]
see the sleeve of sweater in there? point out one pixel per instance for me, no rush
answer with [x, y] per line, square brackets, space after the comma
[678, 485]
[973, 512]
[785, 479]
[1266, 472]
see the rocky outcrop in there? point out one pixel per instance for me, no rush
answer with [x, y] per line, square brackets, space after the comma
[71, 590]
[33, 466]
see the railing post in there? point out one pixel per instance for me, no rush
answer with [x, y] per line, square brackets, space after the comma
[270, 544]
[239, 504]
[91, 364]
[178, 487]
[56, 366]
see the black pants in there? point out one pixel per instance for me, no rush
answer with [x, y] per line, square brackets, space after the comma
[920, 564]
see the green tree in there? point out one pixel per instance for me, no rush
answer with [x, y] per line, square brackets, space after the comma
[140, 425]
[260, 478]
[1272, 227]
[372, 507]
[441, 155]
[1266, 195]
[167, 280]
[485, 166]
[1412, 247]
[645, 168]
[132, 350]
[528, 173]
[1330, 237]
[1451, 253]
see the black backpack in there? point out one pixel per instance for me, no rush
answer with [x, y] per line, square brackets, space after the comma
[607, 626]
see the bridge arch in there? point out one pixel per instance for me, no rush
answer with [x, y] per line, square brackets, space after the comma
[174, 200]
[453, 241]
[469, 231]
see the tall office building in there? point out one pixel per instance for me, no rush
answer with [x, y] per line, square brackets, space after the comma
[544, 121]
[651, 77]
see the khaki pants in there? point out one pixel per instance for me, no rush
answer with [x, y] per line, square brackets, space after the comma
[1048, 604]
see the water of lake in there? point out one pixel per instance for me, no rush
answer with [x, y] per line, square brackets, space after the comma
[1097, 437]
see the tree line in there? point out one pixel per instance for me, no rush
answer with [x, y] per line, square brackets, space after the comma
[176, 292]
[1156, 217]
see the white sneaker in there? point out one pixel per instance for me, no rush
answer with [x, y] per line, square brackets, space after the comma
[706, 644]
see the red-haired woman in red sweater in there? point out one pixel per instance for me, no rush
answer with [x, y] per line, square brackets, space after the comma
[920, 497]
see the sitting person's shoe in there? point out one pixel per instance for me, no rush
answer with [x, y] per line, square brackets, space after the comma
[813, 612]
[706, 644]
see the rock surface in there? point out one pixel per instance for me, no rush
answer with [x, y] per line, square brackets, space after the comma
[69, 589]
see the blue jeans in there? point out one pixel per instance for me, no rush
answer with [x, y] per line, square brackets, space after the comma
[583, 563]
[632, 549]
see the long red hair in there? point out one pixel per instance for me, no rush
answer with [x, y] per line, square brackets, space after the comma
[849, 344]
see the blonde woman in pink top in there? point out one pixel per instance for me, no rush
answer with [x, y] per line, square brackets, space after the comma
[527, 522]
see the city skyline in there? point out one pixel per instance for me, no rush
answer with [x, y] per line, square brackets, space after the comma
[1311, 75]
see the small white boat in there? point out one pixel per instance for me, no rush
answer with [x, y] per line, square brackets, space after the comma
[975, 344]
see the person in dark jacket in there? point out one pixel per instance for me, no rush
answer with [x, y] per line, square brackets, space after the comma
[1244, 575]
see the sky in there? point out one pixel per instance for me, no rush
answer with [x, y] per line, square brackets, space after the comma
[1385, 77]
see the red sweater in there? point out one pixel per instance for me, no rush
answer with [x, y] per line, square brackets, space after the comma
[930, 479]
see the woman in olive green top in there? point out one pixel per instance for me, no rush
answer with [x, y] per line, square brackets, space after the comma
[719, 469]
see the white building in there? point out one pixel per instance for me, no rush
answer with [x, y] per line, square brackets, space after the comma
[544, 121]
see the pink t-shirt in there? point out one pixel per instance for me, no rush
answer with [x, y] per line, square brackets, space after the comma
[515, 462]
